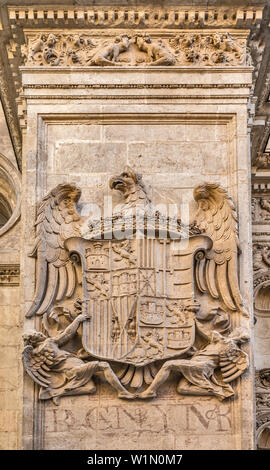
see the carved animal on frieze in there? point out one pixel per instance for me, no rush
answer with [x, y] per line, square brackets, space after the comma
[109, 52]
[158, 54]
[139, 305]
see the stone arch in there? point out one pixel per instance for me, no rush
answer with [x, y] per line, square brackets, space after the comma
[10, 194]
[263, 432]
[262, 298]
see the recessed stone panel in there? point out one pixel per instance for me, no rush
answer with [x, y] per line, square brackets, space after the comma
[175, 143]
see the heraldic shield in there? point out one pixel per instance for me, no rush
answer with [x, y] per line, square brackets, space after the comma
[139, 294]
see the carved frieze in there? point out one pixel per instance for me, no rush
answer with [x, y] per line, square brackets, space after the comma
[262, 162]
[134, 49]
[261, 281]
[123, 296]
[261, 257]
[211, 49]
[9, 274]
[260, 207]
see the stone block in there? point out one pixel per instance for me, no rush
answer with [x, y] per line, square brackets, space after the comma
[80, 157]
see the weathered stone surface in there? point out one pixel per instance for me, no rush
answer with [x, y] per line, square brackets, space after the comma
[168, 422]
[170, 155]
[135, 48]
[174, 107]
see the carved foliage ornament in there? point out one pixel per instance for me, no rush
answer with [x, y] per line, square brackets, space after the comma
[261, 282]
[263, 161]
[129, 307]
[134, 49]
[260, 207]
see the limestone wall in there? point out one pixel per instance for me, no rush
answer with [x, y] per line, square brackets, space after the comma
[11, 322]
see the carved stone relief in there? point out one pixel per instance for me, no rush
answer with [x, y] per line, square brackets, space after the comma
[260, 209]
[128, 306]
[9, 274]
[261, 257]
[263, 161]
[263, 408]
[261, 254]
[134, 48]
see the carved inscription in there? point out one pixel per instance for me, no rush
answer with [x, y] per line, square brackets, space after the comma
[155, 418]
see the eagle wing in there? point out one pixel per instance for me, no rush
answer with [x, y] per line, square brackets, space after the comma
[217, 272]
[233, 364]
[36, 366]
[57, 220]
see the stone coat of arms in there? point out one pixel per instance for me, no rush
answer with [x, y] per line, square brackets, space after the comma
[121, 296]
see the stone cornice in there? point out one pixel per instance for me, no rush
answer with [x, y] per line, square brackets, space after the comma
[140, 16]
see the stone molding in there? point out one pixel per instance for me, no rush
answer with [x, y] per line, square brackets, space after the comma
[135, 85]
[9, 274]
[259, 187]
[180, 16]
[10, 175]
[9, 107]
[121, 97]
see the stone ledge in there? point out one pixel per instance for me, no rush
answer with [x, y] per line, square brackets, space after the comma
[9, 275]
[181, 16]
